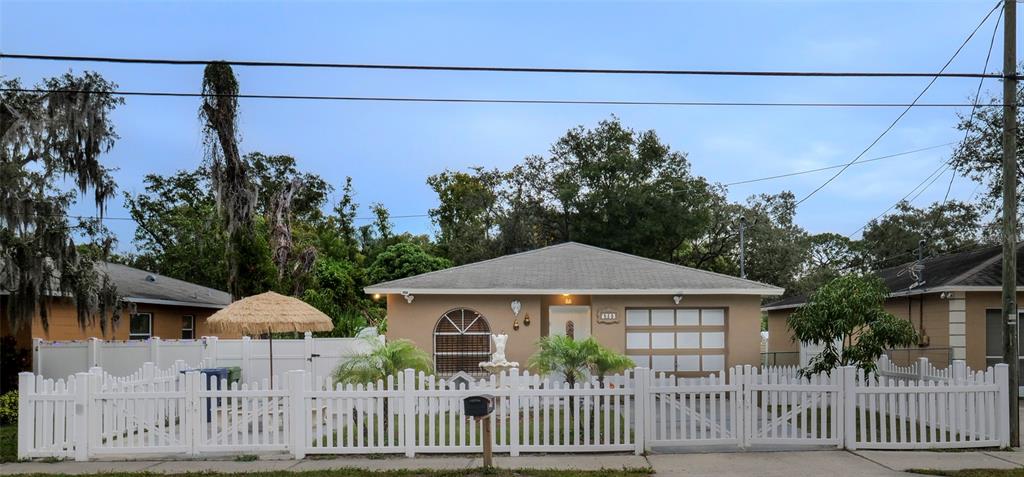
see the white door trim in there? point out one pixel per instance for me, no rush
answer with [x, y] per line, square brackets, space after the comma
[559, 315]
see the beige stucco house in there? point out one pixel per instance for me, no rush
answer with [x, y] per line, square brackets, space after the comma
[664, 316]
[953, 301]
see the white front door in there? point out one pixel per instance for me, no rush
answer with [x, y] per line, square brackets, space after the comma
[569, 320]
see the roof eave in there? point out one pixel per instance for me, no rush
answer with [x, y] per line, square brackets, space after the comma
[527, 291]
[915, 292]
[158, 301]
[782, 307]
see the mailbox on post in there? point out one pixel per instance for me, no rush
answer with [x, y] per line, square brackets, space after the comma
[478, 406]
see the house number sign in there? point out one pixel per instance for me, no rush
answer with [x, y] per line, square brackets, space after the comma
[607, 316]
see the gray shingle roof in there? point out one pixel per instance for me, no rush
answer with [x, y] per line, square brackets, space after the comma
[140, 286]
[573, 268]
[982, 267]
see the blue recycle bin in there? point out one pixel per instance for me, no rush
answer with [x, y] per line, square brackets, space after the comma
[213, 378]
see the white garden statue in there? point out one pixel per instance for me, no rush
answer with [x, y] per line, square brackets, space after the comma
[499, 348]
[498, 362]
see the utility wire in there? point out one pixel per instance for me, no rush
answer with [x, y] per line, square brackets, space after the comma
[836, 166]
[905, 111]
[407, 99]
[933, 176]
[409, 216]
[977, 97]
[495, 69]
[947, 164]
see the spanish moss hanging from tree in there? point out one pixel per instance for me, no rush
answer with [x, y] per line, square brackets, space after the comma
[234, 191]
[47, 140]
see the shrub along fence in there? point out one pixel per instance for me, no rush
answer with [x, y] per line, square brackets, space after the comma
[92, 415]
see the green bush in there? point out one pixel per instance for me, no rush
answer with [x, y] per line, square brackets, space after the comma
[9, 408]
[13, 359]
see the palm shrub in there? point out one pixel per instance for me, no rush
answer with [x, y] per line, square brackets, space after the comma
[606, 362]
[562, 354]
[383, 360]
[576, 359]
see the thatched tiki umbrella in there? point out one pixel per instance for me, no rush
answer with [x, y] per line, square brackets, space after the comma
[270, 313]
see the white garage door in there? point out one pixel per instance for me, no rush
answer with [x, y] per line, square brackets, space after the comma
[686, 341]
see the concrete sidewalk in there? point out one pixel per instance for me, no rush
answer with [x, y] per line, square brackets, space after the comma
[836, 463]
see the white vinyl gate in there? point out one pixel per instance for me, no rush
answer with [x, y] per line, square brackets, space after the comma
[781, 408]
[167, 412]
[695, 411]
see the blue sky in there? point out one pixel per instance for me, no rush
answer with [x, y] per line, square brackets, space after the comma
[389, 148]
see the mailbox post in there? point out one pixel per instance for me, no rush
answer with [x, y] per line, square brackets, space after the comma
[480, 408]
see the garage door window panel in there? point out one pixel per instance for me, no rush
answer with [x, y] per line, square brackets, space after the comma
[687, 317]
[663, 341]
[681, 340]
[638, 317]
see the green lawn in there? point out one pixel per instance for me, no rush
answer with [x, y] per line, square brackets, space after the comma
[972, 472]
[416, 473]
[8, 443]
[448, 435]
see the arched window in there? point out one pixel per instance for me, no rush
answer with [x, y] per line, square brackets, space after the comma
[570, 329]
[462, 340]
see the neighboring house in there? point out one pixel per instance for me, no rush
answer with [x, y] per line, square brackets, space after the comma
[954, 302]
[665, 316]
[154, 305]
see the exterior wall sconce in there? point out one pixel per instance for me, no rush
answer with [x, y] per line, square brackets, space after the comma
[677, 298]
[408, 296]
[515, 325]
[376, 296]
[568, 298]
[526, 319]
[516, 307]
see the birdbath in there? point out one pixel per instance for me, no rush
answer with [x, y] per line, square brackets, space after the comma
[498, 362]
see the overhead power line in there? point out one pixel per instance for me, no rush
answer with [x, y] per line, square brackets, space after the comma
[919, 188]
[408, 99]
[934, 176]
[494, 69]
[836, 166]
[408, 216]
[974, 108]
[905, 111]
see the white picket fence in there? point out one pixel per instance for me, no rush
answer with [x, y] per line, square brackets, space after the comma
[92, 415]
[58, 359]
[921, 369]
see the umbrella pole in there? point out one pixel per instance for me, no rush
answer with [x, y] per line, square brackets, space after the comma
[271, 334]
